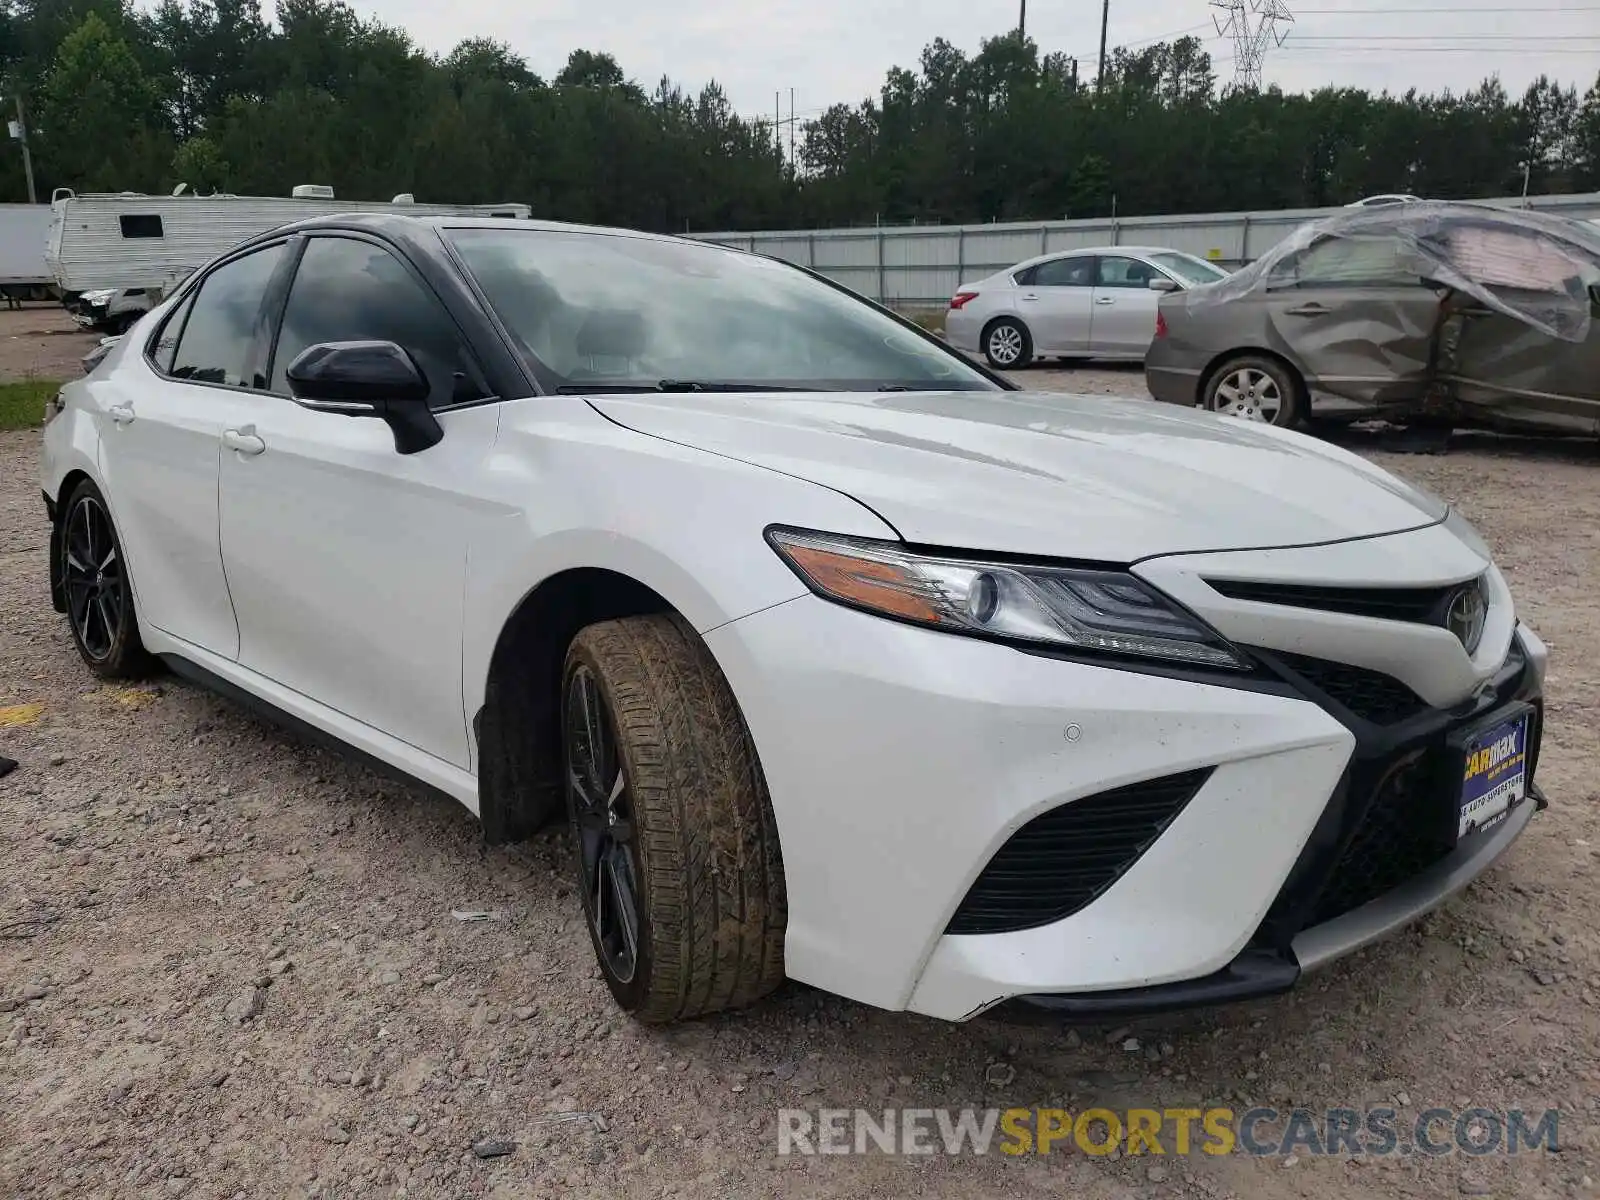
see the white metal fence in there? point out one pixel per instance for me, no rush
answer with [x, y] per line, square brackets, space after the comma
[924, 264]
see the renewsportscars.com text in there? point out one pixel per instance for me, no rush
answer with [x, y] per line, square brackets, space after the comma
[1176, 1131]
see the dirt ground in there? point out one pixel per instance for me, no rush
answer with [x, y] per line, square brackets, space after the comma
[39, 341]
[229, 964]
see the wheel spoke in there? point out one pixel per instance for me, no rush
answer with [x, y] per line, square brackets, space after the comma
[624, 903]
[80, 594]
[108, 621]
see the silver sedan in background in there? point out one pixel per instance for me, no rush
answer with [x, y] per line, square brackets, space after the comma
[1093, 302]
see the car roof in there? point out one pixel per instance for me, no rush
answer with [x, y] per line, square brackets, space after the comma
[1082, 251]
[407, 227]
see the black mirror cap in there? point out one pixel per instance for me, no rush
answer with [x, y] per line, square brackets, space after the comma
[367, 372]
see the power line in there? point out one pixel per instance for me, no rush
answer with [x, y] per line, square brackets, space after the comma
[1391, 11]
[1450, 37]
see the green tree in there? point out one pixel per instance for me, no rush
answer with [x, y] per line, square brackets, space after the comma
[98, 124]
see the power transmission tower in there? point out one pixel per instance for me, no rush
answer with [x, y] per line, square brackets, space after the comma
[1255, 26]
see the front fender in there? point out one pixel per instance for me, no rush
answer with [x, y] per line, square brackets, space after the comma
[574, 490]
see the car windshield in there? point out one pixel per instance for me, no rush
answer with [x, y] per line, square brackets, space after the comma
[1193, 271]
[596, 311]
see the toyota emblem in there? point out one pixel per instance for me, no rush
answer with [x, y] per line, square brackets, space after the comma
[1465, 615]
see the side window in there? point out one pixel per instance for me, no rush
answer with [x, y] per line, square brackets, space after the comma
[1352, 262]
[347, 291]
[166, 340]
[215, 342]
[1126, 273]
[1065, 272]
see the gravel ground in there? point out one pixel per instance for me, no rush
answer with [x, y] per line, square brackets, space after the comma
[229, 964]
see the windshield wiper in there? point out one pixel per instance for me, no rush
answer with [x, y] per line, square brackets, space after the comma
[600, 386]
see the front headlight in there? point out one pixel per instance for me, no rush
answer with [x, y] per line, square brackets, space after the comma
[1106, 612]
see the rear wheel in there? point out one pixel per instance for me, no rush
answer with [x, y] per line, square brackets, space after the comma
[679, 866]
[1254, 388]
[1007, 344]
[94, 577]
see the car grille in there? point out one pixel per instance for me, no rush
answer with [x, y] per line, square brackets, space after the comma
[1401, 833]
[1371, 695]
[1061, 860]
[1423, 606]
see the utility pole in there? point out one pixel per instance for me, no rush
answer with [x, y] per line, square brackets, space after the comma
[1022, 21]
[1105, 19]
[19, 132]
[791, 129]
[777, 122]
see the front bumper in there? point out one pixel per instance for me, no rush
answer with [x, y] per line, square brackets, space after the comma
[900, 761]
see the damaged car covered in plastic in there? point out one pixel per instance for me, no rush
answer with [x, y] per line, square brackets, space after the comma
[1428, 313]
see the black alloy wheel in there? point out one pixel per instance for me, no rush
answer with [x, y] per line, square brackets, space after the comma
[601, 810]
[95, 582]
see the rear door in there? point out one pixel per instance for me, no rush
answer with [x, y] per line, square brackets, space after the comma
[1057, 302]
[162, 441]
[1124, 307]
[1354, 315]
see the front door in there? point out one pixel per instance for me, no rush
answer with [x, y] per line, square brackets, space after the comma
[1124, 308]
[160, 443]
[345, 558]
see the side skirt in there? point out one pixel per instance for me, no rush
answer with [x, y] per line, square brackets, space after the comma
[462, 790]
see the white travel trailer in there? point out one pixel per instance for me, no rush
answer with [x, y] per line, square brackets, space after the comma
[23, 230]
[129, 248]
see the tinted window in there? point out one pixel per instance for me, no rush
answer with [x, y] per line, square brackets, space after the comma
[1064, 272]
[167, 340]
[215, 344]
[1126, 273]
[591, 310]
[142, 225]
[350, 291]
[1353, 262]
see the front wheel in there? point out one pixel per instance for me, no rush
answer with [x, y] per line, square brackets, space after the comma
[678, 860]
[94, 578]
[1253, 388]
[1007, 344]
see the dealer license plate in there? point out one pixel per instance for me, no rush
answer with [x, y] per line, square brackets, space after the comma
[1495, 776]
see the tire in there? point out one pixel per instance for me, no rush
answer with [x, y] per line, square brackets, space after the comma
[690, 826]
[98, 589]
[1257, 388]
[1010, 337]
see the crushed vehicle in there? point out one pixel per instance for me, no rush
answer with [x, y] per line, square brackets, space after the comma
[1427, 313]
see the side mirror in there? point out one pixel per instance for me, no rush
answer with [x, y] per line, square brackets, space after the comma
[1160, 283]
[368, 379]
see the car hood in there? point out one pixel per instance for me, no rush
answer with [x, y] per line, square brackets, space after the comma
[1043, 473]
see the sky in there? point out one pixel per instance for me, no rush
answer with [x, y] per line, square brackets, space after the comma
[839, 50]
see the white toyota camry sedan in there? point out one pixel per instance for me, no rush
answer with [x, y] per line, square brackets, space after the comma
[845, 660]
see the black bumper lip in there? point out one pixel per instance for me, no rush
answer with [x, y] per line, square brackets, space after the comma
[1257, 972]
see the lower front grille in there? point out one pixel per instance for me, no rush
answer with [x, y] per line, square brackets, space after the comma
[1401, 833]
[1060, 861]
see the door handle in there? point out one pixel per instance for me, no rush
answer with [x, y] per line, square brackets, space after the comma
[1311, 309]
[122, 414]
[1030, 296]
[243, 440]
[1106, 300]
